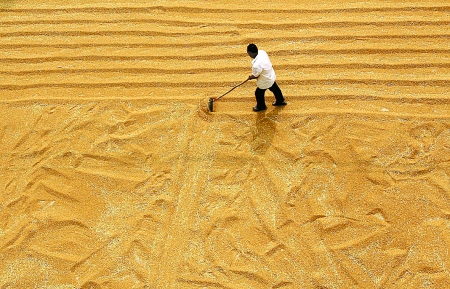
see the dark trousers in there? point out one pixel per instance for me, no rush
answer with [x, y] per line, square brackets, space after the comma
[259, 94]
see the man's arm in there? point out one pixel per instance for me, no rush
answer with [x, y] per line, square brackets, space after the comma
[256, 71]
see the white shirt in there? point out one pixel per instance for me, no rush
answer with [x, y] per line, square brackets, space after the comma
[262, 68]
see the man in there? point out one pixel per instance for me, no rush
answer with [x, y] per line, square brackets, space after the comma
[264, 74]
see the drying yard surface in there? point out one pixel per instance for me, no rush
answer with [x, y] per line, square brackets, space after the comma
[114, 175]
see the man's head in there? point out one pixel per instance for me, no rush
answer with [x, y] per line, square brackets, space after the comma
[252, 50]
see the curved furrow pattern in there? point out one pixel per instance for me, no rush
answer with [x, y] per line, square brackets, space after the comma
[202, 10]
[428, 41]
[114, 174]
[218, 40]
[145, 33]
[16, 25]
[152, 70]
[224, 56]
[340, 81]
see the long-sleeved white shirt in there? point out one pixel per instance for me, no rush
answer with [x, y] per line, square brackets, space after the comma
[262, 68]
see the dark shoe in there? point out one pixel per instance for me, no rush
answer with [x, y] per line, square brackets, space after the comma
[256, 109]
[279, 103]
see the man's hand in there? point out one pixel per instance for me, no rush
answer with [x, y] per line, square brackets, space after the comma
[251, 76]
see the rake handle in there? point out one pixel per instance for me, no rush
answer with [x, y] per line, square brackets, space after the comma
[214, 99]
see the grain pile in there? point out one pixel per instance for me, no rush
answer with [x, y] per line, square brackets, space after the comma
[112, 175]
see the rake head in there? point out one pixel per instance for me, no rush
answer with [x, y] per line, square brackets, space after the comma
[211, 104]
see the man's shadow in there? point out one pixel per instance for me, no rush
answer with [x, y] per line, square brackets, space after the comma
[264, 130]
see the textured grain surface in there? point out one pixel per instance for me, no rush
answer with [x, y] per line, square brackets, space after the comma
[114, 175]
